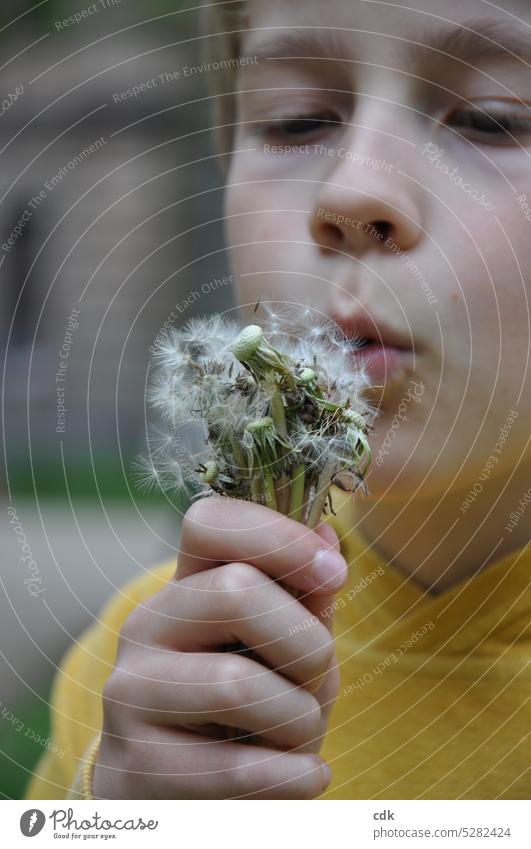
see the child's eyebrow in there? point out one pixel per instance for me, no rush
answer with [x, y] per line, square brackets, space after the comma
[466, 41]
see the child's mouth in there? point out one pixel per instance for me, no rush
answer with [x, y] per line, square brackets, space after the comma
[381, 349]
[381, 361]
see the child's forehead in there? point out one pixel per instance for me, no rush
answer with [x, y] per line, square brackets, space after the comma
[341, 28]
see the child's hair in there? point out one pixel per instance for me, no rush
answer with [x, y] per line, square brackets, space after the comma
[221, 26]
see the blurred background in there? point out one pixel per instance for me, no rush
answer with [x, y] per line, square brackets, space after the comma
[110, 220]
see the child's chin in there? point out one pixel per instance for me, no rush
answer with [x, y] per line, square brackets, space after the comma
[389, 397]
[395, 476]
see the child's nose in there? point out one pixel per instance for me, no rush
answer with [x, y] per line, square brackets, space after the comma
[357, 212]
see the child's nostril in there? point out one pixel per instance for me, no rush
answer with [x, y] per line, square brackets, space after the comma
[379, 229]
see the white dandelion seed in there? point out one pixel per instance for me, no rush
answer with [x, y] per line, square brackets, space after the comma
[146, 474]
[209, 338]
[169, 352]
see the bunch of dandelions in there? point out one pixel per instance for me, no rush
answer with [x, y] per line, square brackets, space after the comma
[262, 413]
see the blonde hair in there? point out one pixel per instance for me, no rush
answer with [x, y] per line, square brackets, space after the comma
[221, 43]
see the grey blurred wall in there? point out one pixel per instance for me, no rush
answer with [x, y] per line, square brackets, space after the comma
[116, 191]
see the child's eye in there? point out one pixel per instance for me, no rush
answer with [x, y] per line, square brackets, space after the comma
[492, 124]
[302, 125]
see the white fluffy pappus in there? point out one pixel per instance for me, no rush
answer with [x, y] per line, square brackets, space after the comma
[198, 383]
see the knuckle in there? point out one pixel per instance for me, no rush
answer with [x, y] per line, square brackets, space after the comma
[240, 778]
[307, 726]
[232, 579]
[202, 512]
[116, 692]
[319, 661]
[232, 688]
[313, 716]
[134, 626]
[233, 776]
[325, 654]
[196, 514]
[136, 756]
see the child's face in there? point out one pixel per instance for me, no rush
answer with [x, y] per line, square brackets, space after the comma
[402, 201]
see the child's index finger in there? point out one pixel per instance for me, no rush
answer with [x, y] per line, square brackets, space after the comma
[216, 531]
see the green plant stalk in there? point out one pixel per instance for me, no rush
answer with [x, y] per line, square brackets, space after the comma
[269, 489]
[278, 414]
[236, 450]
[282, 489]
[297, 492]
[306, 501]
[256, 486]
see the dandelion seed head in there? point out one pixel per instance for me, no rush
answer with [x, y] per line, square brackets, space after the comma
[221, 383]
[169, 352]
[210, 391]
[170, 396]
[312, 444]
[159, 441]
[208, 337]
[146, 475]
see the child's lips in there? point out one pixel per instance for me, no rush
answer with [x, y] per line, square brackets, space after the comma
[384, 352]
[373, 330]
[381, 361]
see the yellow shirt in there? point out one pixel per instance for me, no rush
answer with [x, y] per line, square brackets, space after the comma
[434, 698]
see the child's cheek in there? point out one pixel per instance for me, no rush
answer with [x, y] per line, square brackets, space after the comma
[488, 311]
[266, 226]
[500, 294]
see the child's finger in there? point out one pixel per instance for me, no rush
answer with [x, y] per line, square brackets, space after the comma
[235, 602]
[321, 606]
[216, 530]
[164, 764]
[328, 533]
[229, 690]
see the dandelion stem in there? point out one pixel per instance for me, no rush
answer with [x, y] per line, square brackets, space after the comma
[238, 455]
[305, 501]
[256, 486]
[297, 492]
[269, 488]
[282, 488]
[278, 413]
[321, 493]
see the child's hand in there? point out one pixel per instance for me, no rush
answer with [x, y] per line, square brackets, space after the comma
[173, 688]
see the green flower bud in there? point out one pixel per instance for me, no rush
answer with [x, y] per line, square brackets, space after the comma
[358, 444]
[261, 426]
[307, 376]
[355, 419]
[211, 472]
[247, 342]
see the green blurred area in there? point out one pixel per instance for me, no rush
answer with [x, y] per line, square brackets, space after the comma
[105, 481]
[100, 484]
[24, 732]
